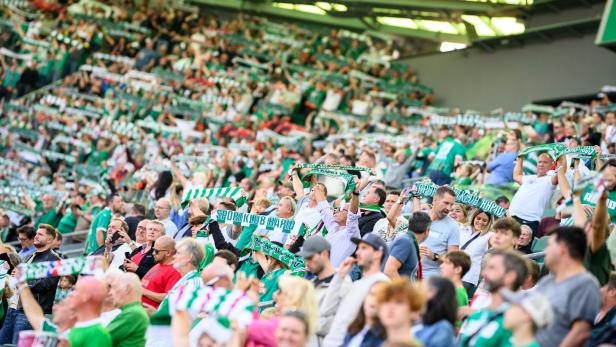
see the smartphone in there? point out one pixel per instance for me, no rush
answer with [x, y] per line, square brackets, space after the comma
[115, 237]
[127, 255]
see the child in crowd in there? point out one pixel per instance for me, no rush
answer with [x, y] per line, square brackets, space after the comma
[65, 287]
[454, 266]
[529, 312]
[462, 176]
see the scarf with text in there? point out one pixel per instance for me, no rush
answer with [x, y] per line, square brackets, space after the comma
[236, 194]
[465, 197]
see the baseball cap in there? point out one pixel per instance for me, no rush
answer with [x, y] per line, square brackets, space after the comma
[533, 302]
[314, 245]
[373, 240]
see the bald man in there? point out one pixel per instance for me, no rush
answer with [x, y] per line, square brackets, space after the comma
[218, 274]
[87, 302]
[162, 276]
[162, 210]
[129, 327]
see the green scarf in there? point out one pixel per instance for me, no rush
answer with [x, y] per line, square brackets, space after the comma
[236, 194]
[92, 265]
[296, 264]
[262, 222]
[465, 197]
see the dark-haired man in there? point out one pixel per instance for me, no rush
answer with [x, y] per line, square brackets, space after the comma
[568, 279]
[404, 258]
[444, 235]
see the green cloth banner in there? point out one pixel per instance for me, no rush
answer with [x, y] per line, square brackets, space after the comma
[236, 194]
[262, 222]
[63, 267]
[332, 167]
[296, 264]
[464, 197]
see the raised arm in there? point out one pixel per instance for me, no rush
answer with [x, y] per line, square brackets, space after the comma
[563, 183]
[518, 171]
[598, 230]
[32, 309]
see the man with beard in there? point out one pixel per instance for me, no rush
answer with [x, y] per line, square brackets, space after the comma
[316, 252]
[443, 236]
[371, 252]
[503, 269]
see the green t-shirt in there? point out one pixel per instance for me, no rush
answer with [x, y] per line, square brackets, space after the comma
[485, 328]
[50, 217]
[97, 157]
[101, 220]
[270, 283]
[249, 268]
[462, 297]
[446, 155]
[48, 326]
[532, 344]
[589, 197]
[599, 264]
[128, 329]
[89, 334]
[67, 223]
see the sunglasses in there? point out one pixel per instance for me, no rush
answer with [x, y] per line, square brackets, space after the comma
[154, 250]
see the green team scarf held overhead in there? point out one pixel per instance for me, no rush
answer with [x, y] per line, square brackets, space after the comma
[464, 197]
[591, 188]
[296, 264]
[62, 267]
[555, 150]
[236, 194]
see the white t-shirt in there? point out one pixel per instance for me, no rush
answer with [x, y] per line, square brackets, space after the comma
[332, 100]
[530, 200]
[476, 250]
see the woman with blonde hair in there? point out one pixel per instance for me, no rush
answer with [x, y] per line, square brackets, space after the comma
[294, 295]
[474, 239]
[459, 213]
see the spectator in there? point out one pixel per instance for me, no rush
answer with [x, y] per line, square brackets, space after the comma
[45, 212]
[525, 242]
[142, 258]
[366, 329]
[371, 252]
[162, 210]
[129, 327]
[316, 252]
[506, 234]
[439, 318]
[404, 258]
[196, 207]
[286, 210]
[459, 213]
[68, 222]
[44, 290]
[394, 224]
[26, 235]
[503, 202]
[162, 277]
[7, 233]
[63, 318]
[453, 267]
[443, 236]
[135, 216]
[503, 269]
[607, 312]
[573, 318]
[474, 240]
[398, 168]
[228, 257]
[535, 191]
[529, 312]
[449, 154]
[98, 228]
[65, 288]
[399, 303]
[501, 168]
[342, 226]
[292, 330]
[375, 198]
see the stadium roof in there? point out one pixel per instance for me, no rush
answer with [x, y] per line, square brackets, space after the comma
[454, 22]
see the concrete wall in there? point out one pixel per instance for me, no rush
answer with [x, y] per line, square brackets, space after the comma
[512, 77]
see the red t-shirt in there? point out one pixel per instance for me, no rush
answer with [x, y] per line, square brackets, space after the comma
[137, 257]
[160, 279]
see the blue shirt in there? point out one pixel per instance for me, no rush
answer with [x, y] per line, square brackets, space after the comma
[439, 334]
[501, 168]
[26, 252]
[403, 249]
[443, 233]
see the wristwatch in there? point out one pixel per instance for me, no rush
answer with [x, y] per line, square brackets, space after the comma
[355, 193]
[435, 257]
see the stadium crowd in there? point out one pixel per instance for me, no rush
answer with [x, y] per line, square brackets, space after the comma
[233, 181]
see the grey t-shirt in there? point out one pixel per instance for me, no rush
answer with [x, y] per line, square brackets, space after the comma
[443, 233]
[575, 299]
